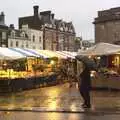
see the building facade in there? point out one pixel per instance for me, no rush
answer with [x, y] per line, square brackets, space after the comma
[57, 34]
[87, 44]
[78, 43]
[22, 38]
[107, 26]
[17, 38]
[35, 37]
[25, 38]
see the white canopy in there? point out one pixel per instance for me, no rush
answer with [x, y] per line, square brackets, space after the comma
[17, 53]
[7, 54]
[101, 49]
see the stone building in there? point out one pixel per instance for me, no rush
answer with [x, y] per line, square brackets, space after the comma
[17, 38]
[107, 26]
[35, 37]
[57, 34]
[22, 38]
[25, 38]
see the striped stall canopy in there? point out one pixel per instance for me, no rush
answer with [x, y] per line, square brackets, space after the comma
[47, 53]
[17, 53]
[25, 52]
[38, 54]
[6, 53]
[53, 54]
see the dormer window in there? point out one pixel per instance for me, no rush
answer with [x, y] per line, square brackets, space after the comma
[22, 34]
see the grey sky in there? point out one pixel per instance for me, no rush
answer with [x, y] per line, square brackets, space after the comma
[80, 12]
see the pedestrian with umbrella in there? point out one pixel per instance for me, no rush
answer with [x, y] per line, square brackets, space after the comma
[85, 79]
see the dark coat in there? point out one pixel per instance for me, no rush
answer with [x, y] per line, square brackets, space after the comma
[85, 81]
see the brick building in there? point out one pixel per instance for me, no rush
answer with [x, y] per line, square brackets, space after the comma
[57, 34]
[107, 26]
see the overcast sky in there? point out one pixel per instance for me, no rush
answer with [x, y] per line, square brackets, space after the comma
[80, 12]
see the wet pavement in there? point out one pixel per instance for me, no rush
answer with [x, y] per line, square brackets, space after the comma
[59, 103]
[56, 116]
[60, 99]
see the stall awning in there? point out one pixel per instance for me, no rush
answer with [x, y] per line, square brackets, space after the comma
[24, 52]
[17, 53]
[6, 53]
[66, 54]
[35, 52]
[101, 49]
[71, 54]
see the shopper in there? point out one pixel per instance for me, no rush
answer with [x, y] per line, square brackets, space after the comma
[85, 86]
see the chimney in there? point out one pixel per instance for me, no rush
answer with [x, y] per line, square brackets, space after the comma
[52, 16]
[36, 10]
[2, 18]
[12, 26]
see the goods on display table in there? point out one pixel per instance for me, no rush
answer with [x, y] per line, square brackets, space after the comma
[22, 69]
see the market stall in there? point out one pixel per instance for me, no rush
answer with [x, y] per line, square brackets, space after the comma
[107, 57]
[24, 69]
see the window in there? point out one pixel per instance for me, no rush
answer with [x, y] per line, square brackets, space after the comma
[40, 39]
[26, 45]
[33, 38]
[22, 46]
[33, 47]
[22, 34]
[12, 34]
[17, 43]
[11, 44]
[4, 35]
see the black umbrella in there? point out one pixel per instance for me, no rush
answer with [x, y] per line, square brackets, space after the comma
[90, 63]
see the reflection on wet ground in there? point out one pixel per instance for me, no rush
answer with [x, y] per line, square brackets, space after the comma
[59, 98]
[55, 116]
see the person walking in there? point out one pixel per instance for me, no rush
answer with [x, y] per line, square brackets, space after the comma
[85, 86]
